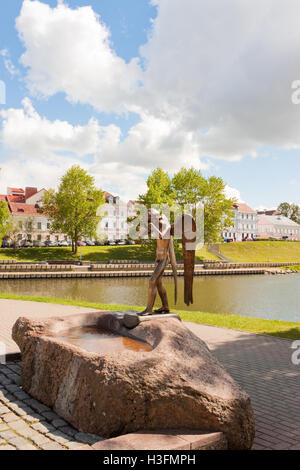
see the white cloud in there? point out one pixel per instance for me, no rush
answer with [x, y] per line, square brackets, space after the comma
[226, 68]
[233, 193]
[217, 83]
[35, 136]
[154, 142]
[69, 50]
[46, 148]
[8, 64]
[40, 151]
[21, 171]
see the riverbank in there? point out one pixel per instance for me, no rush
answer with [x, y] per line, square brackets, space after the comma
[278, 328]
[245, 252]
[262, 251]
[93, 253]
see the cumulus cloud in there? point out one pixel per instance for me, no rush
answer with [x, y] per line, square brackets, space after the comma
[154, 142]
[46, 148]
[25, 130]
[40, 151]
[218, 74]
[70, 51]
[216, 84]
[226, 68]
[233, 193]
[8, 64]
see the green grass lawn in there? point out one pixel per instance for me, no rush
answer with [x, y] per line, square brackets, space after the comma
[282, 329]
[93, 253]
[296, 268]
[262, 251]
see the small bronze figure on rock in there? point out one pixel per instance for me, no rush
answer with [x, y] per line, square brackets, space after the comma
[159, 225]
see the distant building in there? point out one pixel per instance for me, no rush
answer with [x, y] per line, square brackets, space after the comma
[245, 224]
[268, 212]
[113, 225]
[277, 226]
[24, 206]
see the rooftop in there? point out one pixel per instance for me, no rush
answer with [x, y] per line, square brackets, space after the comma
[18, 208]
[277, 220]
[242, 207]
[15, 190]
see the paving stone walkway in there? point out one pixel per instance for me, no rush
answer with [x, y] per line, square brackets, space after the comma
[27, 424]
[260, 364]
[11, 310]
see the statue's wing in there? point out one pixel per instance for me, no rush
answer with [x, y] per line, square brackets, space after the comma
[173, 264]
[186, 225]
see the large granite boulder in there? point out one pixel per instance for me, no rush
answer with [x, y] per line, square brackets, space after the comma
[179, 384]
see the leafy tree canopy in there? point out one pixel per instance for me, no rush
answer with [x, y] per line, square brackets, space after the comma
[4, 219]
[74, 208]
[189, 186]
[291, 211]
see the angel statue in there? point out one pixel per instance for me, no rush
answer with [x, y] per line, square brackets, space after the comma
[159, 225]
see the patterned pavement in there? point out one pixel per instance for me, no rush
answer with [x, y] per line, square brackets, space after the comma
[262, 366]
[27, 424]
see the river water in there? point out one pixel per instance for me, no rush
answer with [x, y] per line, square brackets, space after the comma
[270, 297]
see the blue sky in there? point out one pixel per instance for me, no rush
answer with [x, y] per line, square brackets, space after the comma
[158, 84]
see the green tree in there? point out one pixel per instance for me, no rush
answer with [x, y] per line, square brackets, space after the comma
[159, 189]
[189, 186]
[4, 219]
[291, 211]
[218, 212]
[74, 208]
[12, 232]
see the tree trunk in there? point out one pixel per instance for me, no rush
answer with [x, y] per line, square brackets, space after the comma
[75, 242]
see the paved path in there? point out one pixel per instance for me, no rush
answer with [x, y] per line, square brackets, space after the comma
[11, 310]
[260, 364]
[27, 424]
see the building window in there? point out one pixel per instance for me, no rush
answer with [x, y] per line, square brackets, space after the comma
[48, 226]
[39, 237]
[39, 226]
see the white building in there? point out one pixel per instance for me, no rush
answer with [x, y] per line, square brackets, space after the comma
[245, 224]
[24, 206]
[274, 225]
[113, 225]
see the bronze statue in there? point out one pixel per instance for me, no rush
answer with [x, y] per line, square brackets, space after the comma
[165, 254]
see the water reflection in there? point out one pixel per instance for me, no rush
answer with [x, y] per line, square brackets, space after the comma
[99, 341]
[274, 297]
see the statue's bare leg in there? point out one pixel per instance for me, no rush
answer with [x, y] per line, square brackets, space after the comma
[153, 286]
[164, 298]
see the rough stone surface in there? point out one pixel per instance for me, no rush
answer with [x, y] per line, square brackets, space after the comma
[179, 384]
[27, 431]
[161, 440]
